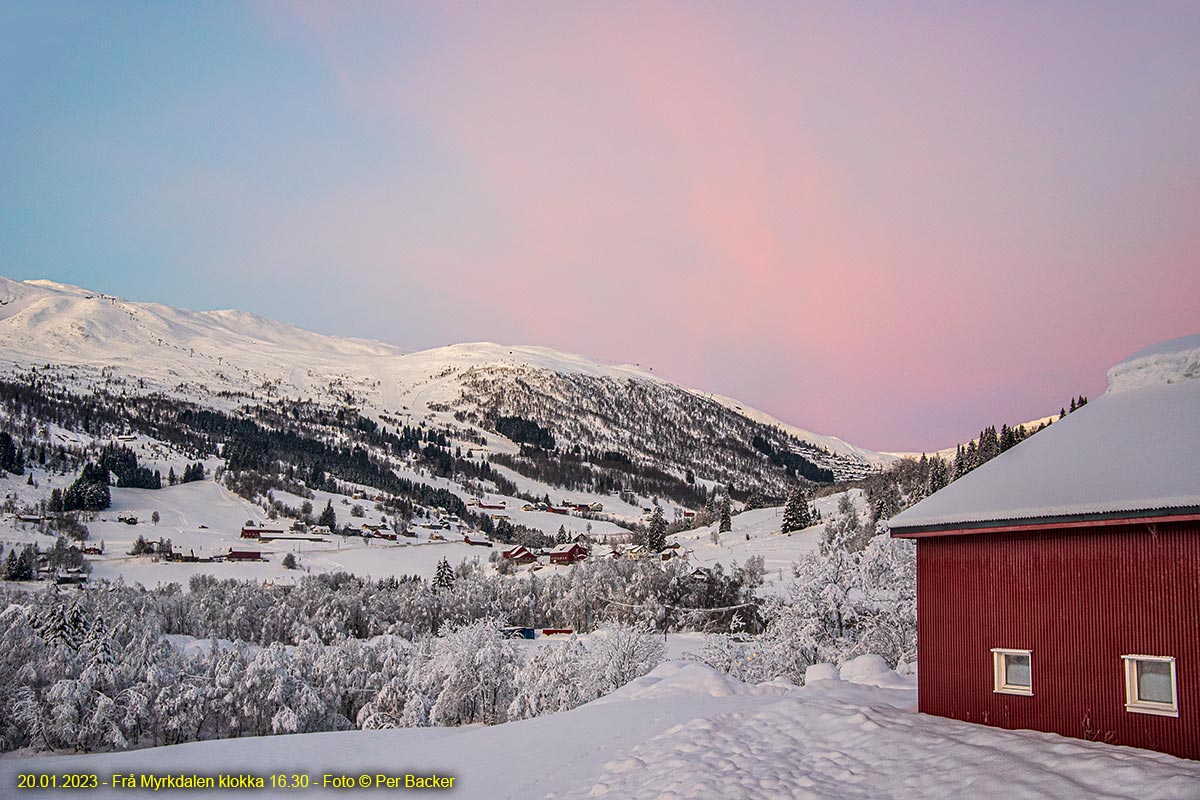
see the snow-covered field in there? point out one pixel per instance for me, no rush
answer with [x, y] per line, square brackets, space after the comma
[757, 533]
[205, 518]
[685, 731]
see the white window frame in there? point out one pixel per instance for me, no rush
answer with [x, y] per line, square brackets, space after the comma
[999, 673]
[1137, 706]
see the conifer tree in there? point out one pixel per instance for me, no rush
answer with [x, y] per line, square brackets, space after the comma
[797, 513]
[328, 517]
[443, 577]
[656, 537]
[726, 515]
[939, 474]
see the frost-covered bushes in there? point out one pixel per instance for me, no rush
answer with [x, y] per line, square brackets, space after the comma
[74, 681]
[332, 607]
[841, 604]
[620, 653]
[563, 675]
[468, 675]
[557, 677]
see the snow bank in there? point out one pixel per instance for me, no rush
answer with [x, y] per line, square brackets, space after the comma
[683, 732]
[688, 678]
[872, 670]
[867, 670]
[821, 672]
[1166, 362]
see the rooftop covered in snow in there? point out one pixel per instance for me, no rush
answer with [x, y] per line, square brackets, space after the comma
[1134, 452]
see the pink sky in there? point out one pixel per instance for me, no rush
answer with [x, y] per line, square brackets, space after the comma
[889, 222]
[890, 228]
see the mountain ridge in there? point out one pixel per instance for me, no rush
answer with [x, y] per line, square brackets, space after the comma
[227, 357]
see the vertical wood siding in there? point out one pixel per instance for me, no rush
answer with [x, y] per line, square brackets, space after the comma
[1079, 599]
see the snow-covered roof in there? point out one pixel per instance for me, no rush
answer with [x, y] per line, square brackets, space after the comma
[565, 548]
[1135, 450]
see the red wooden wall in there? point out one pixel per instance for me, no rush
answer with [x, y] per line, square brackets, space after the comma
[1079, 599]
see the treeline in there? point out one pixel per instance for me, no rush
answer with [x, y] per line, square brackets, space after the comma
[606, 472]
[653, 423]
[791, 461]
[524, 431]
[191, 473]
[89, 492]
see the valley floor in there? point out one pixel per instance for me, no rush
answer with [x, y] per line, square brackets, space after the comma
[685, 731]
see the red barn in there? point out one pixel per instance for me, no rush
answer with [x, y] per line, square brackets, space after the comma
[568, 553]
[1058, 585]
[254, 532]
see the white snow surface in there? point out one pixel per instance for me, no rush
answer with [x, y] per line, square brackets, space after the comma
[686, 732]
[1134, 449]
[1163, 363]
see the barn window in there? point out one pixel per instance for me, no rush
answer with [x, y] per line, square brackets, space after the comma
[1012, 671]
[1150, 686]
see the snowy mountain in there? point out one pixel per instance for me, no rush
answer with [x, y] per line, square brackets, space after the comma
[230, 359]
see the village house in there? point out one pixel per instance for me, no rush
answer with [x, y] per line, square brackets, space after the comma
[519, 555]
[1058, 585]
[567, 553]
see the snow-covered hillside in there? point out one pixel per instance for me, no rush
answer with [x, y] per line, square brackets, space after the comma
[685, 731]
[227, 358]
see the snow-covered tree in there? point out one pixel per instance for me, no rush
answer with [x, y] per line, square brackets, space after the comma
[328, 516]
[474, 667]
[798, 512]
[443, 576]
[555, 678]
[656, 535]
[620, 653]
[725, 515]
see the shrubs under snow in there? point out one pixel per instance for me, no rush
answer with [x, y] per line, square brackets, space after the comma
[86, 684]
[842, 604]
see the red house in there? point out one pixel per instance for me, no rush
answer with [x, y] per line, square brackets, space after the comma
[568, 553]
[519, 554]
[1058, 585]
[244, 555]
